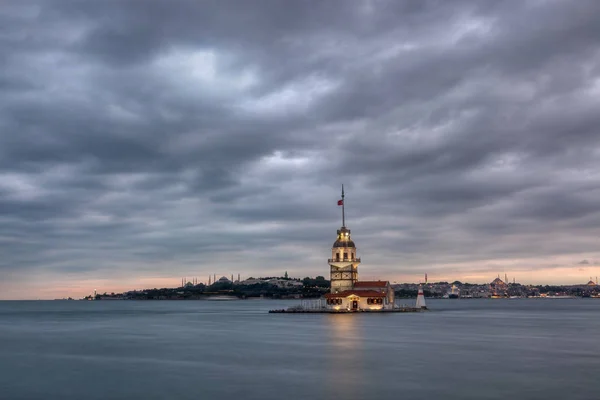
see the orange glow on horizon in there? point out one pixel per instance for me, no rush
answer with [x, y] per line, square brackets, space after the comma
[50, 287]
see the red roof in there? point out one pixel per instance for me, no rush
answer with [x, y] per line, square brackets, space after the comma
[359, 293]
[369, 284]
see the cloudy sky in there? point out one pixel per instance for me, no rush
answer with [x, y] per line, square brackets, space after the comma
[143, 141]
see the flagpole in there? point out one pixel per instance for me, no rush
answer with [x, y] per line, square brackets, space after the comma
[343, 205]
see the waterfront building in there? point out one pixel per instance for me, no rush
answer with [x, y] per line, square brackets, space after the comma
[347, 292]
[285, 283]
[454, 292]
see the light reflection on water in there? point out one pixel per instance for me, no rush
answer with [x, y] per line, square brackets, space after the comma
[471, 349]
[344, 354]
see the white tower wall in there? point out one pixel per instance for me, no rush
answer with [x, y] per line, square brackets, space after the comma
[421, 298]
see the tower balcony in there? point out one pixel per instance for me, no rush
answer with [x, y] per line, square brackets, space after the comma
[343, 260]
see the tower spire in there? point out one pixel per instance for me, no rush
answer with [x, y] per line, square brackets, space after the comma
[343, 205]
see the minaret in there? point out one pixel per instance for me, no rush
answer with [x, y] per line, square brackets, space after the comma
[343, 262]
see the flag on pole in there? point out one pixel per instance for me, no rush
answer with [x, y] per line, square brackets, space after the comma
[340, 202]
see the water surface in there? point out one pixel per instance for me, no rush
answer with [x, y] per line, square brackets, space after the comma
[462, 349]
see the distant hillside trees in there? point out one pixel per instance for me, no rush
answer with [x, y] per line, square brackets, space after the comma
[319, 282]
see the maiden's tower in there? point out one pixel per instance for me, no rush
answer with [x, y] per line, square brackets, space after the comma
[347, 292]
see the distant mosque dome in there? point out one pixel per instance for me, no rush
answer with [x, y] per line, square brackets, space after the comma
[591, 283]
[498, 281]
[223, 279]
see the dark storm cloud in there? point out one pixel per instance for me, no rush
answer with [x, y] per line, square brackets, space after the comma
[211, 135]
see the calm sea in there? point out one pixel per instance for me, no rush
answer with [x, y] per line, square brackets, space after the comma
[462, 349]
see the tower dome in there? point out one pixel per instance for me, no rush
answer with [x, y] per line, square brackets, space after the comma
[343, 238]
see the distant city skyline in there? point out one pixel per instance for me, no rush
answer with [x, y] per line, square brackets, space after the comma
[144, 141]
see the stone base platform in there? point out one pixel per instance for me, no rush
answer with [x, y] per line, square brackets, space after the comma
[326, 311]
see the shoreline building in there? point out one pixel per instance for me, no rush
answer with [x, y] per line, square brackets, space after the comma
[347, 292]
